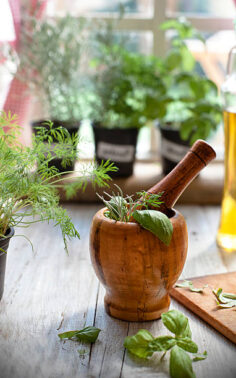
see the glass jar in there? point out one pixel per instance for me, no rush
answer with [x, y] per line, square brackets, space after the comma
[226, 237]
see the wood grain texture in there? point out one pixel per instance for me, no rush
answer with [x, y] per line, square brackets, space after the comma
[205, 306]
[174, 184]
[48, 292]
[136, 268]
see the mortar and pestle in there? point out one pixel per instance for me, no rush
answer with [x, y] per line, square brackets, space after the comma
[136, 268]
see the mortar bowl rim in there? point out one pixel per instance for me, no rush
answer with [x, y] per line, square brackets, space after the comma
[175, 218]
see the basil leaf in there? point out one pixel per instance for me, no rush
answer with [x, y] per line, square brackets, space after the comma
[67, 335]
[190, 286]
[155, 222]
[200, 356]
[162, 343]
[187, 332]
[139, 344]
[187, 344]
[88, 334]
[176, 323]
[180, 364]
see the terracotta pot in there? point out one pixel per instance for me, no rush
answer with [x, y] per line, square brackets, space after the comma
[135, 267]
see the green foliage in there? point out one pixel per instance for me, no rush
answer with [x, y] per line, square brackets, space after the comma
[139, 344]
[29, 186]
[144, 344]
[193, 104]
[131, 89]
[49, 62]
[156, 222]
[121, 208]
[180, 364]
[128, 91]
[176, 323]
[87, 335]
[190, 286]
[124, 209]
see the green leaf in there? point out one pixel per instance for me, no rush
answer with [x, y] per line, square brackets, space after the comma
[176, 323]
[67, 335]
[187, 344]
[225, 300]
[187, 332]
[190, 286]
[162, 343]
[88, 334]
[156, 222]
[180, 364]
[186, 128]
[188, 60]
[200, 356]
[173, 59]
[139, 344]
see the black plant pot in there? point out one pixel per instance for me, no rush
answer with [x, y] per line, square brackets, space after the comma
[4, 243]
[173, 148]
[118, 146]
[72, 128]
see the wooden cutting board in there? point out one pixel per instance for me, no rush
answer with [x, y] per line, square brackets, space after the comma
[204, 305]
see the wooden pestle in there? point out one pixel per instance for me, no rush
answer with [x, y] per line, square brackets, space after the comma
[173, 185]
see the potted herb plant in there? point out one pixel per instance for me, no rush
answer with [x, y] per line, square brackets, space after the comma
[29, 185]
[49, 62]
[128, 92]
[193, 109]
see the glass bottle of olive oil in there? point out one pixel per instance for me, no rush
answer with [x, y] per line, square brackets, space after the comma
[226, 237]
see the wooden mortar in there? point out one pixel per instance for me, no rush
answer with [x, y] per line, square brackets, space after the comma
[135, 267]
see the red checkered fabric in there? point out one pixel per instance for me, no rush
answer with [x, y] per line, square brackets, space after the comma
[18, 98]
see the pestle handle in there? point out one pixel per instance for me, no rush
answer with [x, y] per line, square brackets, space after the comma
[173, 185]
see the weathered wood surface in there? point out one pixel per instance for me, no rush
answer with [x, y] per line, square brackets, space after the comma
[47, 292]
[205, 305]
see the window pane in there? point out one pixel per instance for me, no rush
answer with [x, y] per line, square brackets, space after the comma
[7, 32]
[222, 8]
[77, 7]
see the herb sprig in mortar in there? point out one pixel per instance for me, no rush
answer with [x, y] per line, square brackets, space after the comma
[125, 208]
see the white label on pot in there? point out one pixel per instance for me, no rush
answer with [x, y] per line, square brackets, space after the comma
[173, 151]
[115, 152]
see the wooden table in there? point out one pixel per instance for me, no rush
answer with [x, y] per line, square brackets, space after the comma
[47, 292]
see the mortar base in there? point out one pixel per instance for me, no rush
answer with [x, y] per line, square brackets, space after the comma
[138, 314]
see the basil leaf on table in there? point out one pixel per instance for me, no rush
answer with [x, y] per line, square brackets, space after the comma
[87, 335]
[156, 222]
[176, 323]
[187, 344]
[180, 364]
[139, 344]
[144, 345]
[162, 343]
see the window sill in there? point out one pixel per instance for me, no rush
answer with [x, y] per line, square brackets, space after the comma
[206, 189]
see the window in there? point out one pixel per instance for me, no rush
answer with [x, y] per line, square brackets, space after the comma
[142, 17]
